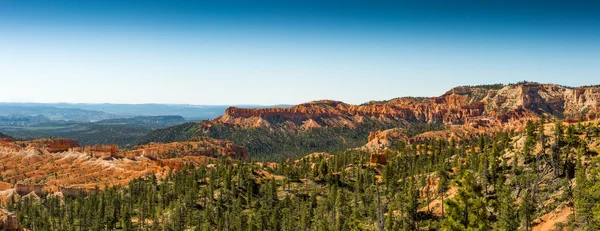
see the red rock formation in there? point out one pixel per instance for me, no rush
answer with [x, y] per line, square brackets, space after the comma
[132, 154]
[6, 140]
[76, 149]
[60, 145]
[516, 116]
[77, 170]
[593, 114]
[9, 221]
[54, 145]
[482, 121]
[103, 151]
[170, 164]
[10, 146]
[199, 146]
[436, 110]
[476, 105]
[43, 145]
[378, 158]
[384, 139]
[24, 189]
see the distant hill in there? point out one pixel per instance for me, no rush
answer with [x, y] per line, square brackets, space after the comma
[123, 131]
[154, 122]
[26, 111]
[189, 112]
[23, 120]
[2, 135]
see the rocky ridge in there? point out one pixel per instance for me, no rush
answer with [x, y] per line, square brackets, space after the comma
[460, 105]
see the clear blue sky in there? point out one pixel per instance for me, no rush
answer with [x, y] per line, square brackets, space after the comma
[289, 51]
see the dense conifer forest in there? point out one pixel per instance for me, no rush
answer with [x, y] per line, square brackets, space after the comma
[503, 181]
[274, 144]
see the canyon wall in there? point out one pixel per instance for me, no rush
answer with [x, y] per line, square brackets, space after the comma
[478, 106]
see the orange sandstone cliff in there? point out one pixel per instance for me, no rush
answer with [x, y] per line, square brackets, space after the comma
[474, 105]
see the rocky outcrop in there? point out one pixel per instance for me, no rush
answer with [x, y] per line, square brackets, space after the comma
[4, 140]
[45, 145]
[384, 139]
[54, 145]
[61, 145]
[10, 146]
[199, 146]
[9, 221]
[378, 158]
[24, 189]
[103, 151]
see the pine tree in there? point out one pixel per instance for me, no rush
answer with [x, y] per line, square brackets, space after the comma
[126, 220]
[443, 184]
[507, 214]
[467, 211]
[526, 209]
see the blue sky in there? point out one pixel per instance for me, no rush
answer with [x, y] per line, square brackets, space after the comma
[287, 52]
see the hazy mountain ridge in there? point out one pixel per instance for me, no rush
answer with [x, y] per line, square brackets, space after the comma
[188, 111]
[53, 113]
[121, 131]
[152, 121]
[2, 135]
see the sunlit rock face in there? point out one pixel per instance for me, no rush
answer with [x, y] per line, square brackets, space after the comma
[59, 166]
[9, 221]
[476, 105]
